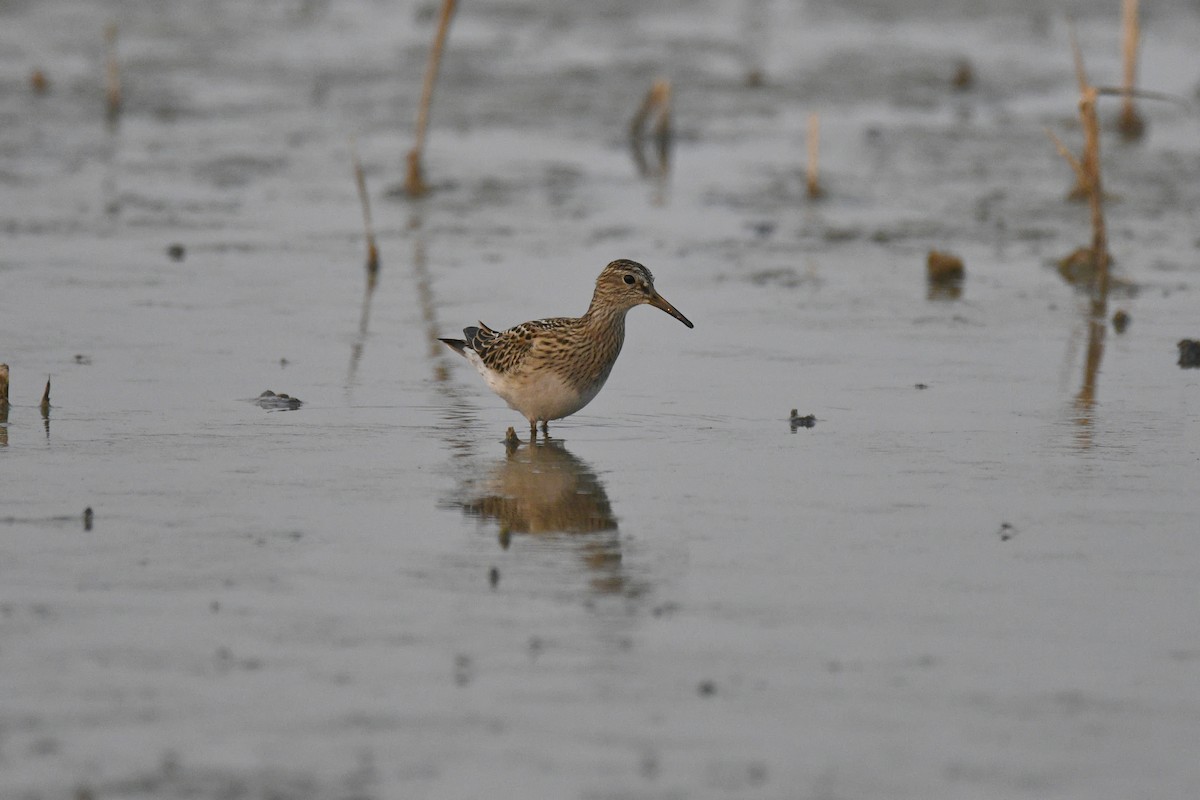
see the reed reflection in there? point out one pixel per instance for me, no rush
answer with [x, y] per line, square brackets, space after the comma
[542, 489]
[651, 127]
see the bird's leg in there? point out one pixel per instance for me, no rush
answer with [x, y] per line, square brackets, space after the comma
[546, 428]
[532, 431]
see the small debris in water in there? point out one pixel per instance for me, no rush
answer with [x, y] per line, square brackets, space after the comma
[80, 358]
[1120, 320]
[277, 402]
[920, 385]
[964, 76]
[176, 252]
[493, 577]
[39, 82]
[283, 362]
[945, 273]
[755, 79]
[536, 645]
[1189, 353]
[663, 609]
[462, 669]
[87, 518]
[1006, 532]
[944, 267]
[762, 229]
[707, 688]
[511, 442]
[756, 773]
[797, 421]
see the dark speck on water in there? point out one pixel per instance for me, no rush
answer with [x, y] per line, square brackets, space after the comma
[176, 252]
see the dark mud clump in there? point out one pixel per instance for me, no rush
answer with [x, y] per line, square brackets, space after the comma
[1189, 354]
[277, 402]
[798, 421]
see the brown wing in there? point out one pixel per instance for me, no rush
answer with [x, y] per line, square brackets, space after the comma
[506, 351]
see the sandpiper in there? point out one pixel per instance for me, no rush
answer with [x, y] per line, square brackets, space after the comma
[550, 368]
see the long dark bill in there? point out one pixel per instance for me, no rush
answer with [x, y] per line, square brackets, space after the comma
[658, 301]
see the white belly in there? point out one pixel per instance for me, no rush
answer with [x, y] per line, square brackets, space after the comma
[543, 396]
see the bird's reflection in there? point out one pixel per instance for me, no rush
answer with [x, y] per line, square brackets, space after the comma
[542, 489]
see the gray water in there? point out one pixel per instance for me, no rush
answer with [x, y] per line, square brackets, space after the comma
[974, 577]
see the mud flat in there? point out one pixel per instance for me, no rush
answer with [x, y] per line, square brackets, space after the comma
[974, 575]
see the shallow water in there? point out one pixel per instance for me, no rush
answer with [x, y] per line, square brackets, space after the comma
[975, 576]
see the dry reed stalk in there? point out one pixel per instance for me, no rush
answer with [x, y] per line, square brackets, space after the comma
[45, 404]
[3, 385]
[112, 72]
[813, 169]
[1130, 124]
[368, 229]
[1087, 171]
[414, 182]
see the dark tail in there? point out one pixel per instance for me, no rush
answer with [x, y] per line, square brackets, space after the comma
[457, 345]
[461, 345]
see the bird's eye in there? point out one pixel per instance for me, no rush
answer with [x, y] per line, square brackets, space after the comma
[629, 280]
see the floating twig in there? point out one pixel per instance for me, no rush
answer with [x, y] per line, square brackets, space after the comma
[813, 169]
[112, 71]
[364, 200]
[1130, 123]
[414, 182]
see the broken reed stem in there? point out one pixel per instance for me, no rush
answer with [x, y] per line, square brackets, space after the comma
[368, 229]
[414, 183]
[662, 126]
[45, 404]
[1087, 170]
[1091, 166]
[1130, 123]
[813, 169]
[3, 385]
[112, 71]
